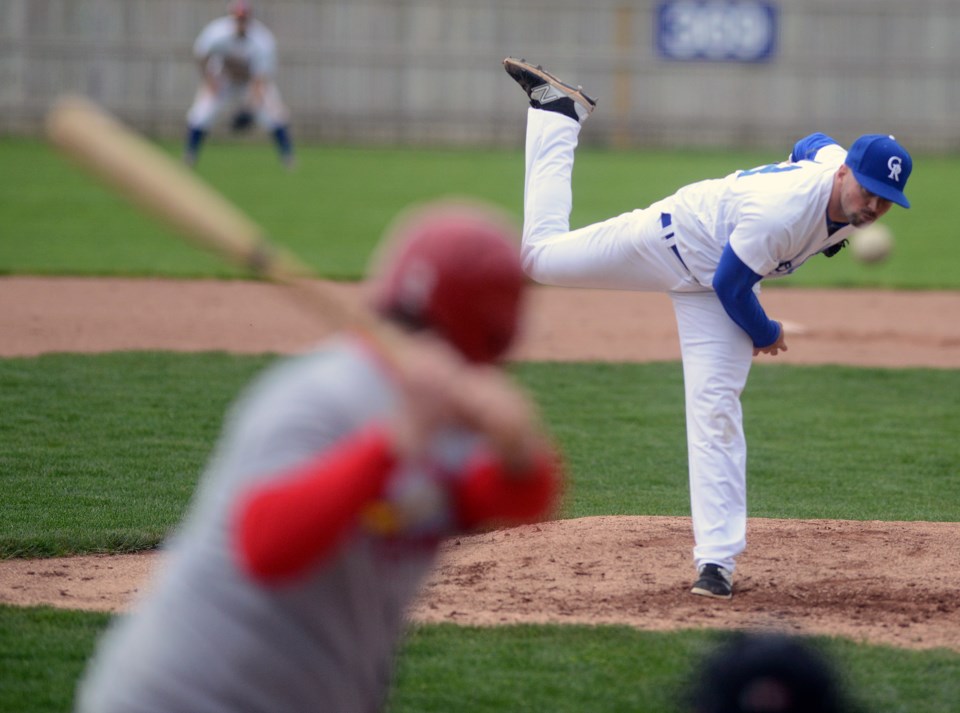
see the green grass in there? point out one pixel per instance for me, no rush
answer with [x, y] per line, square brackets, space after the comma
[333, 209]
[102, 452]
[824, 442]
[488, 670]
[606, 668]
[42, 654]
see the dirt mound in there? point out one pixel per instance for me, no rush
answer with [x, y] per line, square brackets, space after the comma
[870, 328]
[884, 583]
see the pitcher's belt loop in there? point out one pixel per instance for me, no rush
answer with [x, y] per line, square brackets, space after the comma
[670, 237]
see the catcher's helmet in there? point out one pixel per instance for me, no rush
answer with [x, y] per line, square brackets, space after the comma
[454, 268]
[768, 673]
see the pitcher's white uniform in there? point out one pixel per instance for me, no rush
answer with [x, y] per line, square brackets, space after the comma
[774, 218]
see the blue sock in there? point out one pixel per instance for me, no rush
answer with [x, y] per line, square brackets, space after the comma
[194, 139]
[282, 138]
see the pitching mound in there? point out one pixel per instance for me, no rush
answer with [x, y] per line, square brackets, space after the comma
[884, 583]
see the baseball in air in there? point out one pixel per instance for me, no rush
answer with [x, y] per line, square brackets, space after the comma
[872, 244]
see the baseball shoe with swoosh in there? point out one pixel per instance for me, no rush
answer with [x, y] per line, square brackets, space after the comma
[714, 581]
[549, 93]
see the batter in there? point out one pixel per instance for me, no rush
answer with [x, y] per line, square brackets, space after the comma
[237, 57]
[322, 508]
[708, 246]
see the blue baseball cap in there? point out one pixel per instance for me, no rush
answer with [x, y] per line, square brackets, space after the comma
[882, 166]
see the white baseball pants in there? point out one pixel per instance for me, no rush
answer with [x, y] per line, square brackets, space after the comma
[635, 251]
[207, 105]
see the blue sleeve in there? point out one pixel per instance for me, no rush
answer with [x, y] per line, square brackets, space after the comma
[807, 147]
[733, 283]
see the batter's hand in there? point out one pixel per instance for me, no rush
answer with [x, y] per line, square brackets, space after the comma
[440, 388]
[778, 346]
[495, 405]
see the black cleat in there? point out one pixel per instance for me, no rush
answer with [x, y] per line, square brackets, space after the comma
[549, 93]
[714, 581]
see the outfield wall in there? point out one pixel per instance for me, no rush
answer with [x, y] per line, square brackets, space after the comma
[427, 71]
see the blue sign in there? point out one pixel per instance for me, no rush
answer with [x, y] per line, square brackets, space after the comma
[717, 30]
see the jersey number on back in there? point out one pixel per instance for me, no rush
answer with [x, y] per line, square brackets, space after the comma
[770, 168]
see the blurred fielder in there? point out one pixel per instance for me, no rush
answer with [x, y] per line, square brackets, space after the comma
[237, 56]
[336, 477]
[708, 246]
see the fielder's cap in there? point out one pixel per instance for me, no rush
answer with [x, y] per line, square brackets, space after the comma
[454, 267]
[882, 166]
[240, 8]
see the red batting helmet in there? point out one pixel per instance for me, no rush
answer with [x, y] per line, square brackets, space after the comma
[454, 268]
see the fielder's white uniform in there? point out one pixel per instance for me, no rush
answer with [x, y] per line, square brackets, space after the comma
[773, 217]
[236, 61]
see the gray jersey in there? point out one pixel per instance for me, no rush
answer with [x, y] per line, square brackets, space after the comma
[205, 637]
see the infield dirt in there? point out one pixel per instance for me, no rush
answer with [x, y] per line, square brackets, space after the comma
[893, 583]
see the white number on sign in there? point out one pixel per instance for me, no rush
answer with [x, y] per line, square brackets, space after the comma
[716, 30]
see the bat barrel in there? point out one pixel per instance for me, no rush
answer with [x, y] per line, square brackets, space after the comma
[165, 188]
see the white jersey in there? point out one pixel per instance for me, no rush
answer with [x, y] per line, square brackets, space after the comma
[238, 59]
[774, 216]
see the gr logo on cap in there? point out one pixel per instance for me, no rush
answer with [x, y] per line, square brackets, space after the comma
[882, 166]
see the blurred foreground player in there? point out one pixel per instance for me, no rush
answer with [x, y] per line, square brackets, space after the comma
[237, 56]
[336, 477]
[767, 673]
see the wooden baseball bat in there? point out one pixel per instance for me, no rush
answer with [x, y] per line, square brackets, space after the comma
[170, 192]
